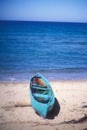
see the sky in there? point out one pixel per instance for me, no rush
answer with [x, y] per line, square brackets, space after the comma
[44, 10]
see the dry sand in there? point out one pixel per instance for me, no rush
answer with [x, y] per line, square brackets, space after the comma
[70, 111]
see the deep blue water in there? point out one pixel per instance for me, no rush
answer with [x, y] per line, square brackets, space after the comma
[56, 50]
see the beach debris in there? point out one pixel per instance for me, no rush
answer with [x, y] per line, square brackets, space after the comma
[22, 104]
[17, 104]
[81, 120]
[85, 106]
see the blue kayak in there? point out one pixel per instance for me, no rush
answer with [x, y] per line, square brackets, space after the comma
[41, 95]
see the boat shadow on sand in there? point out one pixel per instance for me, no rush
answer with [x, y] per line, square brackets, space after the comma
[54, 112]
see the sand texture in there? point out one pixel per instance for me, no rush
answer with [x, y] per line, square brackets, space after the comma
[69, 113]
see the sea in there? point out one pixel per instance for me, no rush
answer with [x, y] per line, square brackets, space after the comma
[57, 50]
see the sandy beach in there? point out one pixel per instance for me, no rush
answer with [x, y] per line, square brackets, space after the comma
[70, 112]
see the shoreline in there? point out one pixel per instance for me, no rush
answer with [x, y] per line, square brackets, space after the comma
[58, 80]
[51, 75]
[16, 111]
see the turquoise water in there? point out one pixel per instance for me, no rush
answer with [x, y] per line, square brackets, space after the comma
[56, 50]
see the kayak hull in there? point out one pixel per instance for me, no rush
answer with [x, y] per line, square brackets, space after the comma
[42, 108]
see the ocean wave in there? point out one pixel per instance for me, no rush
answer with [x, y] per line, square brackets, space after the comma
[51, 74]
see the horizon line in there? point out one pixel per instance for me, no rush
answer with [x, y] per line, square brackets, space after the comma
[41, 21]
